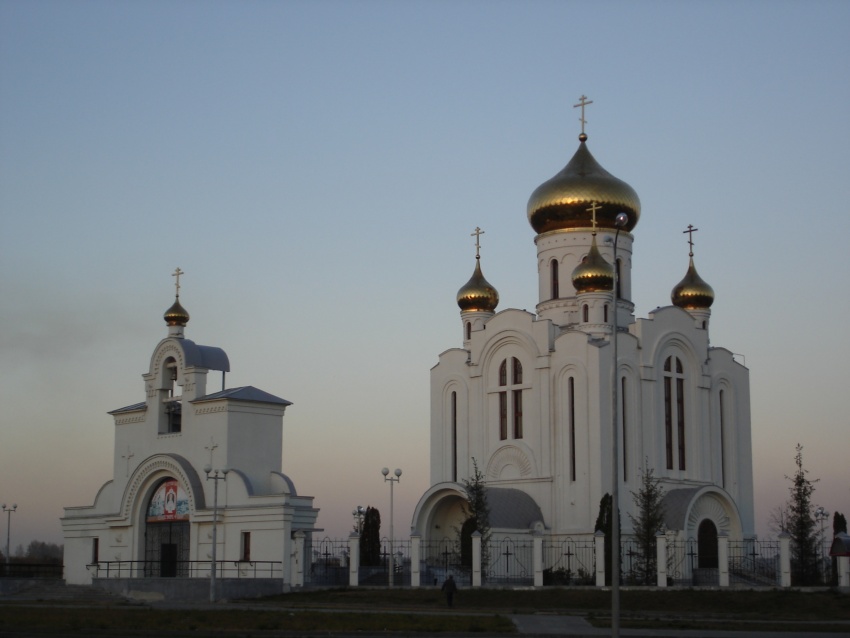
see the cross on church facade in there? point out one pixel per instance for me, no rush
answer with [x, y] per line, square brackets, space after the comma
[477, 234]
[691, 230]
[177, 272]
[211, 447]
[128, 456]
[582, 102]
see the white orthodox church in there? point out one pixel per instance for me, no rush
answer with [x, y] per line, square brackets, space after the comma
[155, 517]
[528, 396]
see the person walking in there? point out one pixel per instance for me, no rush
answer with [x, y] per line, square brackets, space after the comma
[450, 587]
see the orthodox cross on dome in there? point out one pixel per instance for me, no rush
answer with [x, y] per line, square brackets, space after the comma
[691, 230]
[477, 234]
[592, 210]
[177, 272]
[582, 102]
[128, 456]
[211, 447]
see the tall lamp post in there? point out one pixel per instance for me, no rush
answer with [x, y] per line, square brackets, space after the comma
[821, 515]
[215, 478]
[392, 480]
[8, 511]
[620, 222]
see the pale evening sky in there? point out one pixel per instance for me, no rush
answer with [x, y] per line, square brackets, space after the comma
[316, 168]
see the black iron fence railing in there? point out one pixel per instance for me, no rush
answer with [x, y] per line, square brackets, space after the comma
[185, 569]
[753, 562]
[567, 561]
[510, 561]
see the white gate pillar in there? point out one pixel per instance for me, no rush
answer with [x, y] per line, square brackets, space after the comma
[661, 558]
[599, 539]
[415, 559]
[476, 558]
[844, 571]
[785, 559]
[538, 559]
[723, 558]
[354, 563]
[298, 559]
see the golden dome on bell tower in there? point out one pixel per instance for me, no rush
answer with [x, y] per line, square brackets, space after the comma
[692, 293]
[593, 274]
[176, 315]
[477, 294]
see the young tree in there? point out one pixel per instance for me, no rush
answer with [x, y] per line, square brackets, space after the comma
[370, 538]
[476, 512]
[801, 525]
[648, 522]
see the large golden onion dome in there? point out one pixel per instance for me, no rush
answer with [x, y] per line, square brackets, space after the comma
[692, 292]
[593, 274]
[562, 202]
[477, 293]
[176, 315]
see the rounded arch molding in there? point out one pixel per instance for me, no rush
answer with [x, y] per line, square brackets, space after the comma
[713, 504]
[159, 467]
[439, 497]
[510, 456]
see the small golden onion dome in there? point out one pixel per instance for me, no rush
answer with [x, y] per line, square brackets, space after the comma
[477, 294]
[692, 292]
[593, 274]
[562, 202]
[176, 315]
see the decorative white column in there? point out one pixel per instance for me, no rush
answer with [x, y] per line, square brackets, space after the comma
[661, 558]
[538, 559]
[415, 560]
[785, 559]
[476, 558]
[600, 558]
[723, 558]
[844, 571]
[354, 563]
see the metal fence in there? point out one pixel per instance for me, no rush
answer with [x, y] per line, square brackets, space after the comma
[186, 569]
[328, 562]
[682, 559]
[753, 562]
[379, 575]
[509, 562]
[439, 558]
[567, 561]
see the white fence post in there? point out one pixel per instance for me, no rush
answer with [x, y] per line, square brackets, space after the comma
[538, 559]
[785, 559]
[723, 558]
[354, 563]
[298, 560]
[599, 537]
[661, 558]
[415, 552]
[844, 571]
[476, 558]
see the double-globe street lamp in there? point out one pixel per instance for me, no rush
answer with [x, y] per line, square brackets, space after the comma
[8, 511]
[212, 475]
[392, 480]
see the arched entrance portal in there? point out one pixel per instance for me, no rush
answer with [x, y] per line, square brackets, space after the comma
[707, 544]
[167, 531]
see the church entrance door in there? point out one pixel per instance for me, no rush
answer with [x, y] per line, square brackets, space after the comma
[707, 544]
[167, 532]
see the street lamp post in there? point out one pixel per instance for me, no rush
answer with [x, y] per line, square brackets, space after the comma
[392, 480]
[821, 515]
[215, 478]
[620, 221]
[9, 511]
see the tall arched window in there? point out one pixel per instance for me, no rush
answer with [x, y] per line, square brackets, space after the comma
[572, 412]
[674, 410]
[556, 285]
[623, 416]
[468, 330]
[722, 410]
[584, 313]
[510, 394]
[454, 436]
[605, 307]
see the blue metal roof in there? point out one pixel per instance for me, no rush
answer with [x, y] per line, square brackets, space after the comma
[245, 393]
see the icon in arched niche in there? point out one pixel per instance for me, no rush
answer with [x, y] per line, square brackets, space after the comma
[169, 503]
